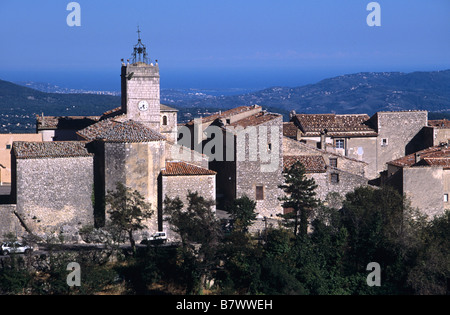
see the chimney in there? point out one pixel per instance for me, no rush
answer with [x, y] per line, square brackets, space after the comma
[323, 139]
[417, 157]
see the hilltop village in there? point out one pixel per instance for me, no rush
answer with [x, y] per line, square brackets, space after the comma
[58, 175]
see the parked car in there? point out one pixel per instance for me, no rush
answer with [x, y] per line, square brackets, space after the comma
[158, 237]
[15, 248]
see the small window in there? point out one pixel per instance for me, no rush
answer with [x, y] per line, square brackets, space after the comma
[340, 144]
[269, 146]
[259, 192]
[333, 162]
[384, 142]
[228, 121]
[8, 147]
[164, 122]
[445, 197]
[334, 178]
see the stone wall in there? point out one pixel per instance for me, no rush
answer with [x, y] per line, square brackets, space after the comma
[170, 129]
[179, 186]
[400, 129]
[136, 165]
[355, 166]
[424, 186]
[9, 223]
[347, 182]
[251, 174]
[55, 194]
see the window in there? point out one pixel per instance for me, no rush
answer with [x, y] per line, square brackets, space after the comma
[269, 147]
[259, 192]
[333, 162]
[228, 121]
[445, 197]
[340, 144]
[334, 178]
[8, 147]
[384, 142]
[164, 121]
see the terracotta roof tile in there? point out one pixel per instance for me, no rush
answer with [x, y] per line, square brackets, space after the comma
[290, 130]
[312, 163]
[441, 123]
[255, 120]
[55, 149]
[65, 122]
[336, 125]
[434, 156]
[114, 131]
[228, 113]
[175, 168]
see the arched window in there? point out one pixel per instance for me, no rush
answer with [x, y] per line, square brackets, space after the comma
[164, 122]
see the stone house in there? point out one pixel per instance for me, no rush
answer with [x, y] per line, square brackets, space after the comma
[332, 172]
[375, 140]
[244, 146]
[424, 178]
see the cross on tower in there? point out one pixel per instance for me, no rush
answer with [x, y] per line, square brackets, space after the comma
[140, 51]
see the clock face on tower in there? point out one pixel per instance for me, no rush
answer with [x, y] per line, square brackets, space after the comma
[143, 105]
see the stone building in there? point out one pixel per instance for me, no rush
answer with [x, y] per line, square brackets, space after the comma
[375, 140]
[244, 146]
[424, 178]
[332, 172]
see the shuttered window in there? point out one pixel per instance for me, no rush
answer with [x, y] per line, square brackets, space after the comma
[259, 192]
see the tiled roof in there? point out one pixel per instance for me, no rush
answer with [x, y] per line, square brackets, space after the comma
[165, 108]
[290, 130]
[128, 131]
[441, 123]
[335, 125]
[434, 156]
[65, 122]
[312, 163]
[176, 168]
[54, 149]
[255, 120]
[228, 113]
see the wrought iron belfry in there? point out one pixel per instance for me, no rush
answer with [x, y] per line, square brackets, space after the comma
[140, 51]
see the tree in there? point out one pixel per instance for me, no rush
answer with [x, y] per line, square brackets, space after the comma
[300, 197]
[128, 211]
[200, 234]
[242, 212]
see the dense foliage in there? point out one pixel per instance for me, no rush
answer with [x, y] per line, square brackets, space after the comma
[372, 225]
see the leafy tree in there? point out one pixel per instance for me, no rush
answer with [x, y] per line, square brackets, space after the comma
[128, 211]
[299, 196]
[200, 234]
[242, 212]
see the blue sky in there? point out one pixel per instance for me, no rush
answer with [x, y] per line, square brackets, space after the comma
[226, 43]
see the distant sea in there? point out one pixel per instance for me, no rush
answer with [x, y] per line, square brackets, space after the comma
[202, 79]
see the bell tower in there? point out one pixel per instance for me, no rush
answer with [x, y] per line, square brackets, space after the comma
[141, 88]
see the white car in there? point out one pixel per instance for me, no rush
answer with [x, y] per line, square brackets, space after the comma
[158, 236]
[15, 248]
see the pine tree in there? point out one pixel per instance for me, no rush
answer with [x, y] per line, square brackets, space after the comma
[300, 196]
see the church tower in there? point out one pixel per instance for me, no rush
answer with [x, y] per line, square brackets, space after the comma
[141, 88]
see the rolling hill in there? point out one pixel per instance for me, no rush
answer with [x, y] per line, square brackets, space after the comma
[367, 92]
